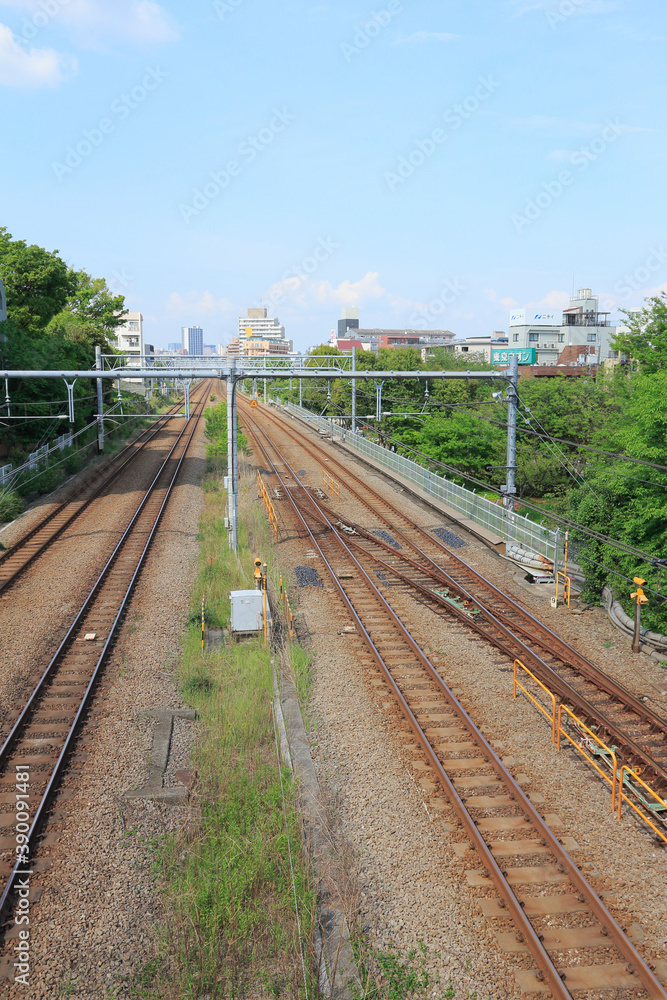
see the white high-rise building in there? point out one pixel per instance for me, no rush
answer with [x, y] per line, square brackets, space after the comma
[257, 328]
[193, 340]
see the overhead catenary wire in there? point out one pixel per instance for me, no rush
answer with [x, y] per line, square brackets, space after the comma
[557, 518]
[573, 444]
[472, 406]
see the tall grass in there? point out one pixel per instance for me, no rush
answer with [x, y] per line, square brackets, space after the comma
[227, 879]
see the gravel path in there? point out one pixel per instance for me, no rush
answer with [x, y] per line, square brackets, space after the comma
[411, 869]
[97, 918]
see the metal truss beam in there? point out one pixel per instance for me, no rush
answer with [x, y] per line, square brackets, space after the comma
[241, 373]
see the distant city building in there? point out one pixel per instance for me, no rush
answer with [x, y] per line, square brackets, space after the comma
[129, 336]
[350, 333]
[547, 333]
[209, 350]
[485, 347]
[257, 329]
[174, 347]
[348, 321]
[263, 348]
[193, 340]
[220, 349]
[233, 348]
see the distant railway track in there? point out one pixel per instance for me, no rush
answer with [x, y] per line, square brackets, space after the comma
[15, 559]
[560, 921]
[41, 738]
[423, 564]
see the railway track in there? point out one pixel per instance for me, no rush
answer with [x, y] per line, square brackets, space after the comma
[17, 557]
[420, 562]
[35, 752]
[575, 943]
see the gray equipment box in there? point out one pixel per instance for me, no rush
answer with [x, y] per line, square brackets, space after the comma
[248, 611]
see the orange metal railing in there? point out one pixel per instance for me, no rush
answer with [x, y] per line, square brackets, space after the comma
[633, 776]
[618, 780]
[270, 511]
[577, 746]
[567, 586]
[330, 484]
[518, 684]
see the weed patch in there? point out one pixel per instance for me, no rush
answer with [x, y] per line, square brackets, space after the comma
[227, 881]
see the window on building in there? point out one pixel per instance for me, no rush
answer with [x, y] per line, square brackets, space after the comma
[561, 338]
[533, 336]
[515, 337]
[591, 338]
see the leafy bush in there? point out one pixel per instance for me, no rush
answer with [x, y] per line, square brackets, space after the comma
[11, 505]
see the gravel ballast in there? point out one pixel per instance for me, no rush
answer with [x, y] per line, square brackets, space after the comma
[412, 876]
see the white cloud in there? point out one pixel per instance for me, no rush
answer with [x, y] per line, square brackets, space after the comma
[139, 21]
[304, 293]
[426, 36]
[30, 67]
[199, 304]
[94, 22]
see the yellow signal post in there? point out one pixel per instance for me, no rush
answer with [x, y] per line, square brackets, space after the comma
[639, 597]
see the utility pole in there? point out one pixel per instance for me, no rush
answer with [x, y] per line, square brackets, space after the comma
[354, 391]
[235, 472]
[100, 403]
[264, 392]
[230, 461]
[509, 489]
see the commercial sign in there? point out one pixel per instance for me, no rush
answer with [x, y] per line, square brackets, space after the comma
[525, 355]
[530, 317]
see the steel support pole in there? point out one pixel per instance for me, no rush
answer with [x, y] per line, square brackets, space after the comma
[235, 474]
[300, 392]
[512, 406]
[354, 391]
[100, 403]
[264, 392]
[230, 461]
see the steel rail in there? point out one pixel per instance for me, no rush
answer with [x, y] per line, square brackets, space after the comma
[31, 704]
[550, 641]
[563, 688]
[130, 451]
[531, 937]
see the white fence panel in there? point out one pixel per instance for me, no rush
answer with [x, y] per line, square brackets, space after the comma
[492, 516]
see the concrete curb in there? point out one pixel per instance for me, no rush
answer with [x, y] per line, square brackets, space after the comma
[339, 969]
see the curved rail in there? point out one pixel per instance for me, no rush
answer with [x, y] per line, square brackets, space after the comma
[510, 628]
[403, 664]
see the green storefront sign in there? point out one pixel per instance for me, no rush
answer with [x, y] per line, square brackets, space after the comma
[525, 355]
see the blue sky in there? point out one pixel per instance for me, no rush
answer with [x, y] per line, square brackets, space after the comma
[433, 163]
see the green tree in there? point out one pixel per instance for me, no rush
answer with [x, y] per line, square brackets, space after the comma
[92, 314]
[464, 442]
[645, 340]
[37, 282]
[628, 502]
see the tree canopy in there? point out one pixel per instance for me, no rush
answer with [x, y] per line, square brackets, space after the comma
[645, 339]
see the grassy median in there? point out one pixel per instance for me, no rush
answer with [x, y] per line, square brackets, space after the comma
[233, 879]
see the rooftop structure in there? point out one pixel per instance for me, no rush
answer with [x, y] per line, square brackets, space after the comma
[548, 332]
